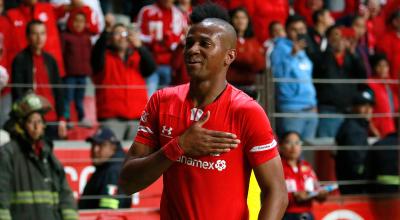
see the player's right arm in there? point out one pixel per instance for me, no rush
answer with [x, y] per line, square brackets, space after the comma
[147, 161]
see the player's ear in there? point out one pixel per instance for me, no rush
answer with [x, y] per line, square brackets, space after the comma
[230, 56]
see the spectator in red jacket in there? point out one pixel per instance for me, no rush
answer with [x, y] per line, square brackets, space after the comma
[33, 10]
[119, 69]
[78, 7]
[390, 44]
[250, 55]
[301, 180]
[162, 27]
[76, 50]
[386, 97]
[5, 64]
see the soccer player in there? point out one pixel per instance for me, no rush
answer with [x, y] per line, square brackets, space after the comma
[205, 137]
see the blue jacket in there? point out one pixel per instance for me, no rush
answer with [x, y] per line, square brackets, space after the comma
[298, 95]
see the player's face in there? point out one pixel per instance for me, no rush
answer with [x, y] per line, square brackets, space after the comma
[34, 126]
[102, 152]
[37, 36]
[291, 147]
[204, 51]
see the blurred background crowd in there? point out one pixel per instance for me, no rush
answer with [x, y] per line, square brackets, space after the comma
[333, 65]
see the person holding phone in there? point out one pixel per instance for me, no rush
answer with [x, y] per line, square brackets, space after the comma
[289, 61]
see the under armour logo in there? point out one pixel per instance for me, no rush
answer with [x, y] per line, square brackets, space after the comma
[195, 114]
[166, 131]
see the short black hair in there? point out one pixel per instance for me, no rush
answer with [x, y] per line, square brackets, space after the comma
[31, 24]
[293, 19]
[331, 29]
[286, 134]
[208, 10]
[248, 33]
[376, 58]
[318, 13]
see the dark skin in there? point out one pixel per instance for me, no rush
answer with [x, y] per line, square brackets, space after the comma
[210, 49]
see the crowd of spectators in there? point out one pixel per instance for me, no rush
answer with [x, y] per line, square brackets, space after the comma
[322, 52]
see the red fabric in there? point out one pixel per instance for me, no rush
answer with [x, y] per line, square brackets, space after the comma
[339, 59]
[302, 180]
[263, 13]
[301, 8]
[377, 26]
[45, 12]
[91, 21]
[199, 187]
[77, 49]
[127, 103]
[6, 45]
[385, 125]
[162, 30]
[41, 85]
[249, 61]
[179, 72]
[172, 150]
[390, 45]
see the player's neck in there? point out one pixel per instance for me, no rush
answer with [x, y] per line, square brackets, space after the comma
[205, 92]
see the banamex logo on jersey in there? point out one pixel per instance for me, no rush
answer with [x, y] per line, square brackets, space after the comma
[219, 165]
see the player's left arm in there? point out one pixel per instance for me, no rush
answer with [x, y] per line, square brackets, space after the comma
[261, 149]
[274, 197]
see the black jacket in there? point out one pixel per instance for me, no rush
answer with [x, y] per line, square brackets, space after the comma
[33, 187]
[22, 73]
[333, 94]
[383, 166]
[104, 183]
[350, 163]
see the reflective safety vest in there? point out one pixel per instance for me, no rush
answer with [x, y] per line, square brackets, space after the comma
[388, 179]
[33, 187]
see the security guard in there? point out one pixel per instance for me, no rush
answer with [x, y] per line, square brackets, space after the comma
[32, 181]
[354, 132]
[101, 191]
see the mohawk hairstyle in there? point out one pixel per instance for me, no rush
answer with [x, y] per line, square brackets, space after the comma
[208, 10]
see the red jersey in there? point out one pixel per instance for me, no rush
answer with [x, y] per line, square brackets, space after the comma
[208, 187]
[299, 178]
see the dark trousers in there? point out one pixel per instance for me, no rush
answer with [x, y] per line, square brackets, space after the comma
[74, 93]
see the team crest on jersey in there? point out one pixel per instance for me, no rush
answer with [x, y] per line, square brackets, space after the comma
[195, 114]
[166, 131]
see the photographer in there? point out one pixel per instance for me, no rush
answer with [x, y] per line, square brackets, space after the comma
[120, 63]
[289, 61]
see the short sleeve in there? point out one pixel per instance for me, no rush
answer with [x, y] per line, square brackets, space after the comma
[259, 142]
[147, 130]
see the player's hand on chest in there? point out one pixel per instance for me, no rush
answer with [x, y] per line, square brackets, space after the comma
[194, 139]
